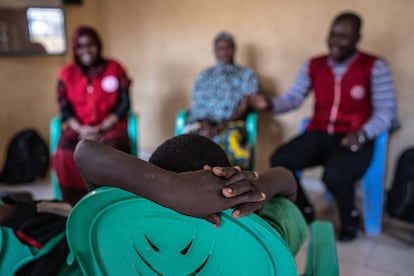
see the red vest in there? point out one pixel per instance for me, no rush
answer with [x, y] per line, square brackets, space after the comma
[344, 105]
[92, 101]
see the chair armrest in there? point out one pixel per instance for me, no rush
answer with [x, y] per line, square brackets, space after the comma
[180, 121]
[322, 259]
[133, 132]
[251, 129]
[54, 132]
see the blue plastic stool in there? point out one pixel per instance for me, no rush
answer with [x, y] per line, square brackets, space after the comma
[372, 184]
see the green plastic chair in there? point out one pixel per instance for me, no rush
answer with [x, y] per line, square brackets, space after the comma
[251, 129]
[14, 254]
[114, 232]
[55, 130]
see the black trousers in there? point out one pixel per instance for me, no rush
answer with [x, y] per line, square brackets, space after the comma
[342, 167]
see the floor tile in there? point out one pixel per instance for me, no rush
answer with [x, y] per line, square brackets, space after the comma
[357, 251]
[301, 257]
[352, 269]
[392, 259]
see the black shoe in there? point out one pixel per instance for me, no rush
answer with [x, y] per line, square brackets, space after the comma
[349, 230]
[348, 233]
[308, 214]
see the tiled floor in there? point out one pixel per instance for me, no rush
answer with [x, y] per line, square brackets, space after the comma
[388, 254]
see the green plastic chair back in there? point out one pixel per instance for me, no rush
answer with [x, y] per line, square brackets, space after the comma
[251, 129]
[55, 129]
[14, 254]
[114, 232]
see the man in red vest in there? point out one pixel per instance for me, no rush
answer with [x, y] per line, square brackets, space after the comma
[354, 102]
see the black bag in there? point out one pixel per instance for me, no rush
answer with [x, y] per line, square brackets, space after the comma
[27, 158]
[400, 200]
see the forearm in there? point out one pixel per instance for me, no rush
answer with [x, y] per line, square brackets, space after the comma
[74, 124]
[123, 105]
[296, 94]
[111, 167]
[66, 110]
[239, 114]
[109, 122]
[277, 181]
[384, 103]
[379, 122]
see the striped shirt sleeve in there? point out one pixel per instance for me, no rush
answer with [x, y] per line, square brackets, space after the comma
[296, 94]
[384, 114]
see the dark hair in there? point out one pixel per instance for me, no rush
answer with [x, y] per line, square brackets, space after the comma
[188, 152]
[350, 16]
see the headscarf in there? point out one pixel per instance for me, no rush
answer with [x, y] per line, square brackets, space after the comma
[223, 35]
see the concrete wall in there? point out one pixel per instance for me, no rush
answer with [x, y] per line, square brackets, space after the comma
[165, 44]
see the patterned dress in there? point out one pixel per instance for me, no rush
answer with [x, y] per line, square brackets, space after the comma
[217, 94]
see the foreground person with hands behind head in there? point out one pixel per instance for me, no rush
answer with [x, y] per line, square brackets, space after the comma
[189, 174]
[178, 181]
[354, 103]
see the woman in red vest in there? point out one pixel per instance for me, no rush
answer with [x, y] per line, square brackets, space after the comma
[93, 96]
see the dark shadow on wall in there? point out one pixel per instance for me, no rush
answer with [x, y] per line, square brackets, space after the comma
[270, 132]
[177, 98]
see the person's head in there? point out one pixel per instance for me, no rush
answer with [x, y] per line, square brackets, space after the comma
[224, 47]
[87, 46]
[188, 152]
[344, 35]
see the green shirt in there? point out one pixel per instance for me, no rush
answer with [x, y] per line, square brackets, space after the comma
[283, 216]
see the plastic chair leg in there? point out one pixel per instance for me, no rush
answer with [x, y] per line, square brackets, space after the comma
[372, 187]
[372, 206]
[133, 129]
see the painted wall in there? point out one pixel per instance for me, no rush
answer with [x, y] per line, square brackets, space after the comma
[165, 44]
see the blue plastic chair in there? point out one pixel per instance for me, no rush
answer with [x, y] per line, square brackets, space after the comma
[372, 184]
[55, 129]
[114, 232]
[251, 130]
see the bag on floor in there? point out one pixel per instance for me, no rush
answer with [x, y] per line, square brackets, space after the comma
[400, 200]
[27, 158]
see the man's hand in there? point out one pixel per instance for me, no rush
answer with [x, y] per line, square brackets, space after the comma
[354, 141]
[239, 183]
[89, 132]
[207, 129]
[202, 194]
[259, 102]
